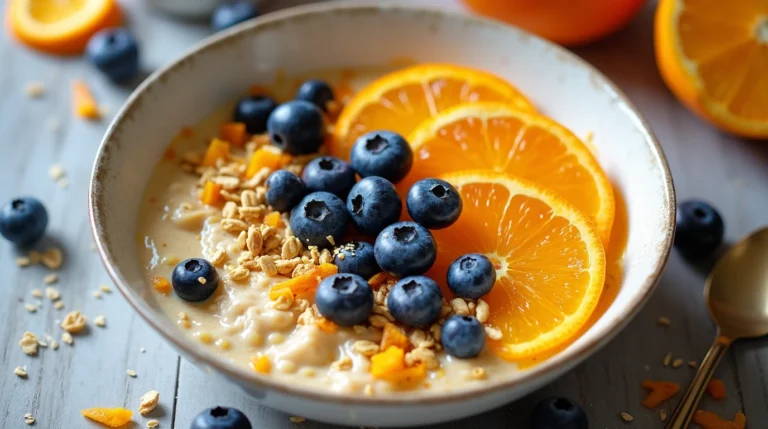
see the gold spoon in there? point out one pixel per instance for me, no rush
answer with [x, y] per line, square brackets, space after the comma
[737, 296]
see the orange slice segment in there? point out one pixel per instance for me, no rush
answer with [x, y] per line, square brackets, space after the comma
[713, 55]
[400, 100]
[61, 27]
[550, 260]
[502, 138]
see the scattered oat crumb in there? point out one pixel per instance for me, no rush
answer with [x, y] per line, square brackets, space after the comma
[56, 171]
[59, 305]
[626, 416]
[131, 373]
[54, 344]
[677, 363]
[28, 419]
[295, 419]
[663, 321]
[34, 89]
[52, 294]
[148, 402]
[42, 343]
[66, 338]
[153, 423]
[21, 371]
[37, 293]
[23, 261]
[52, 258]
[479, 373]
[693, 364]
[97, 294]
[30, 307]
[105, 289]
[100, 321]
[331, 240]
[29, 344]
[142, 350]
[201, 280]
[663, 415]
[74, 322]
[667, 359]
[51, 278]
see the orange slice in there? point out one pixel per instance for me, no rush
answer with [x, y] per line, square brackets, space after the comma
[61, 26]
[501, 138]
[400, 100]
[713, 55]
[550, 260]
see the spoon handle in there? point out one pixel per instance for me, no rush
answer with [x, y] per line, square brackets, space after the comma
[687, 406]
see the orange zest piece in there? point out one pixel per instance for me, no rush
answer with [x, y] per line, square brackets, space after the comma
[112, 417]
[61, 27]
[716, 389]
[326, 325]
[394, 336]
[272, 219]
[210, 193]
[217, 149]
[390, 366]
[304, 283]
[379, 279]
[234, 132]
[660, 391]
[549, 257]
[266, 156]
[261, 364]
[401, 100]
[708, 420]
[83, 103]
[161, 284]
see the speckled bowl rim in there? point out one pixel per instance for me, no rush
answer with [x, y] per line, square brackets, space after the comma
[571, 356]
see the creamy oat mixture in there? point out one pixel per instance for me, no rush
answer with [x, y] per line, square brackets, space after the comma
[239, 321]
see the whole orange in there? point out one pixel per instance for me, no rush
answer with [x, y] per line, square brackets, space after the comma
[568, 22]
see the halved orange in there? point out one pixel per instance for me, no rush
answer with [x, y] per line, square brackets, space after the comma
[400, 100]
[713, 55]
[501, 138]
[549, 257]
[61, 26]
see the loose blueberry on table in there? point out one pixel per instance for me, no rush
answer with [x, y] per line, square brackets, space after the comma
[233, 12]
[382, 153]
[471, 276]
[344, 299]
[415, 301]
[700, 230]
[405, 249]
[318, 216]
[23, 221]
[284, 190]
[317, 92]
[329, 174]
[297, 127]
[115, 53]
[433, 203]
[373, 204]
[194, 279]
[254, 112]
[358, 259]
[463, 336]
[221, 418]
[558, 413]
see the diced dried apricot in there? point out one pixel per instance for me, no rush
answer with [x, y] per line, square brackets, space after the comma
[716, 389]
[83, 103]
[265, 156]
[217, 149]
[389, 365]
[161, 284]
[326, 325]
[112, 417]
[261, 364]
[660, 391]
[304, 283]
[394, 336]
[211, 193]
[379, 279]
[708, 420]
[233, 132]
[272, 219]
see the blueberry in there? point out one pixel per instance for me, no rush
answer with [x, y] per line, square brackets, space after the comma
[329, 174]
[230, 13]
[463, 336]
[221, 418]
[194, 279]
[373, 204]
[297, 127]
[382, 153]
[558, 413]
[415, 301]
[699, 230]
[254, 112]
[317, 92]
[433, 203]
[318, 216]
[344, 299]
[284, 190]
[115, 53]
[23, 221]
[358, 259]
[471, 276]
[405, 249]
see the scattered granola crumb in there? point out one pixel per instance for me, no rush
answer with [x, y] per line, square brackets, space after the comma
[52, 258]
[34, 89]
[131, 373]
[479, 373]
[663, 415]
[142, 350]
[626, 416]
[153, 423]
[51, 278]
[28, 343]
[56, 171]
[331, 240]
[667, 359]
[52, 294]
[201, 280]
[28, 419]
[74, 322]
[30, 307]
[66, 338]
[677, 363]
[96, 294]
[295, 419]
[105, 289]
[21, 371]
[23, 261]
[37, 293]
[148, 402]
[663, 321]
[693, 364]
[59, 305]
[54, 344]
[42, 343]
[100, 321]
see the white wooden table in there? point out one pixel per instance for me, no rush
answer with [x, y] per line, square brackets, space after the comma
[729, 172]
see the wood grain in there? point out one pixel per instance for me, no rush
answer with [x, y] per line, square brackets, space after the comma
[729, 172]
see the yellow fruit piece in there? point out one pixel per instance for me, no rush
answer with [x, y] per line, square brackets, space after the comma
[713, 55]
[272, 219]
[266, 156]
[161, 284]
[550, 262]
[501, 138]
[83, 103]
[401, 100]
[211, 193]
[390, 366]
[261, 364]
[217, 149]
[394, 336]
[112, 417]
[304, 283]
[233, 132]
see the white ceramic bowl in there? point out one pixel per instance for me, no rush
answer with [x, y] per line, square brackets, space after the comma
[350, 35]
